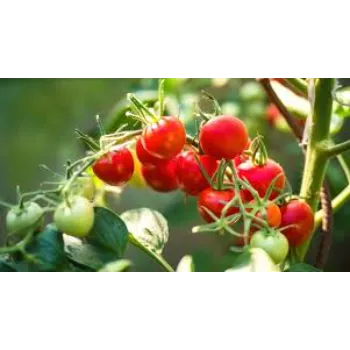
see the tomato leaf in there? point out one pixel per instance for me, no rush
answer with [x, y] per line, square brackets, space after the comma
[86, 256]
[116, 266]
[109, 232]
[6, 266]
[44, 253]
[186, 264]
[254, 260]
[302, 267]
[148, 227]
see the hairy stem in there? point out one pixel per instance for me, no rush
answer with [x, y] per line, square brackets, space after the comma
[316, 156]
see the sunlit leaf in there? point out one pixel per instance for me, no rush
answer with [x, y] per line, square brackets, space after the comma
[186, 264]
[254, 260]
[148, 226]
[117, 266]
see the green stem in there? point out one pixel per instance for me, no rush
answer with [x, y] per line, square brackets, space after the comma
[6, 205]
[140, 106]
[159, 259]
[298, 85]
[161, 96]
[338, 149]
[316, 156]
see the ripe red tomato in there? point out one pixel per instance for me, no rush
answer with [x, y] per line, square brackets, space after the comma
[215, 201]
[161, 177]
[299, 214]
[145, 157]
[260, 177]
[189, 175]
[164, 139]
[224, 137]
[115, 168]
[271, 213]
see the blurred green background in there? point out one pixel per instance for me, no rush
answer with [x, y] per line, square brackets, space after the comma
[37, 122]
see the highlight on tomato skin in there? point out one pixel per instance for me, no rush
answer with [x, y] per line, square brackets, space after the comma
[115, 168]
[215, 201]
[224, 137]
[260, 177]
[164, 139]
[189, 175]
[297, 221]
[161, 177]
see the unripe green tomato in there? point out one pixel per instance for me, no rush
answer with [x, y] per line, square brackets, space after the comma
[18, 219]
[75, 218]
[276, 244]
[84, 186]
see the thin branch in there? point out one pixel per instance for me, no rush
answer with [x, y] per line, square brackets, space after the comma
[327, 227]
[338, 149]
[297, 85]
[297, 130]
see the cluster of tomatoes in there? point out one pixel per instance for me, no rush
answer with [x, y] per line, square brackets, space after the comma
[201, 169]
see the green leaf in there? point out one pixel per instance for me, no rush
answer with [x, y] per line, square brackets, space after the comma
[186, 264]
[87, 256]
[109, 232]
[117, 266]
[43, 254]
[302, 267]
[6, 266]
[149, 227]
[254, 260]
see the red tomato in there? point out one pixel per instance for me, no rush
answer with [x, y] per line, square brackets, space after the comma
[164, 139]
[224, 137]
[161, 177]
[272, 114]
[115, 168]
[215, 201]
[270, 214]
[189, 175]
[144, 156]
[260, 177]
[299, 214]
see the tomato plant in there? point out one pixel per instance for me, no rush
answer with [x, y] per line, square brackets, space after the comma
[240, 191]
